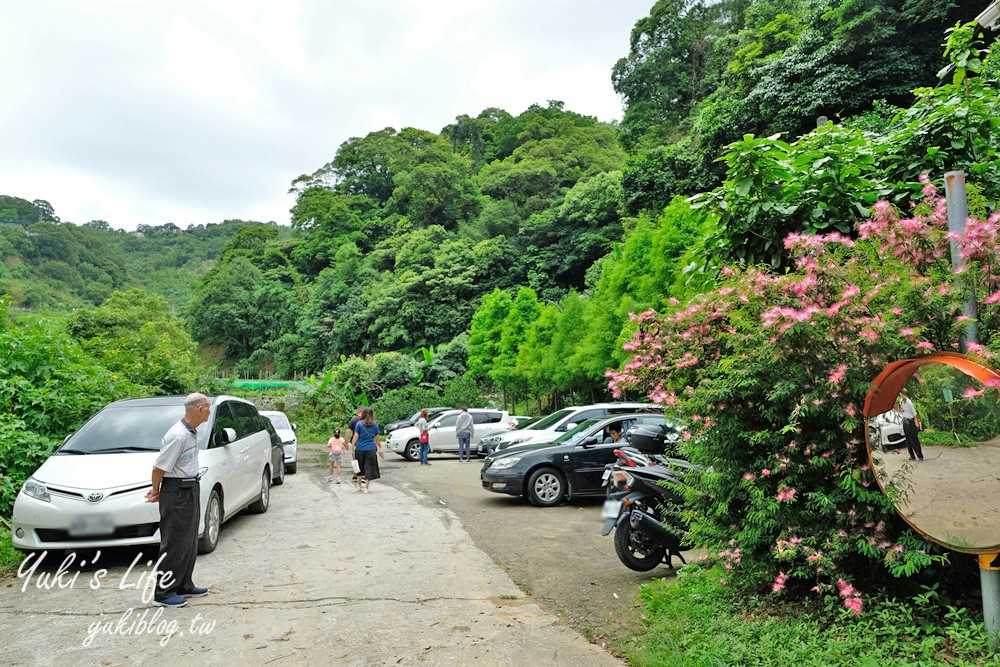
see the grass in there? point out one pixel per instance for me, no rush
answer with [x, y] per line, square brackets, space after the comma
[10, 558]
[697, 621]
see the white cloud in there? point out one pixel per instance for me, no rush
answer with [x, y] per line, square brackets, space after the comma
[196, 111]
[207, 68]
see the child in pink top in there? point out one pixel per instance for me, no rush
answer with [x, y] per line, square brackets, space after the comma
[336, 446]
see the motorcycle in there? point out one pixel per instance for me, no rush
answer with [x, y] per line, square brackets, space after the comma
[638, 486]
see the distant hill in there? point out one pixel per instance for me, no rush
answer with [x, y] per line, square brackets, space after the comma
[49, 264]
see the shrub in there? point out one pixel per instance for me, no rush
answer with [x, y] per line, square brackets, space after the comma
[48, 388]
[770, 373]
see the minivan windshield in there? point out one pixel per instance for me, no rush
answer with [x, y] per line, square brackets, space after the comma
[135, 428]
[527, 423]
[554, 418]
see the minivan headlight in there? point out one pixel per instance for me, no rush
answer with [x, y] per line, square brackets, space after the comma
[36, 489]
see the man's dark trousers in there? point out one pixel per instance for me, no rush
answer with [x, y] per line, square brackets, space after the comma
[912, 434]
[179, 513]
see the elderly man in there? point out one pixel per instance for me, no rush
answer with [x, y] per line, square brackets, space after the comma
[175, 488]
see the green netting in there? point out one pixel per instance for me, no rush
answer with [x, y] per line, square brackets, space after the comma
[265, 384]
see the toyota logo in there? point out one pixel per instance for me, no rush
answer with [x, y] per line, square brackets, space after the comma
[95, 497]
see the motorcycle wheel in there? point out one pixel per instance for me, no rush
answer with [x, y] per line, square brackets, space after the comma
[633, 551]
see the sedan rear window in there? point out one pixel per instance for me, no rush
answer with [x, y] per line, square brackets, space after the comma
[281, 421]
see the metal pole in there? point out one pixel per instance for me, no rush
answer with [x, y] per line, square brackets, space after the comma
[989, 581]
[958, 212]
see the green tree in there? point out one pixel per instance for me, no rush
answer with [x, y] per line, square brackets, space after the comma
[224, 312]
[513, 332]
[485, 331]
[133, 335]
[564, 241]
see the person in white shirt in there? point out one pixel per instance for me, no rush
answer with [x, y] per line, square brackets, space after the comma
[175, 488]
[911, 427]
[464, 430]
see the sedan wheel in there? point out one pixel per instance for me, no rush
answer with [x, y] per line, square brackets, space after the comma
[260, 506]
[546, 488]
[213, 522]
[279, 479]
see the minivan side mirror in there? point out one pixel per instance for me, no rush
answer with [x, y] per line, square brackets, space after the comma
[225, 436]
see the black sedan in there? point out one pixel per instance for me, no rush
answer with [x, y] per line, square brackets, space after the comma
[573, 465]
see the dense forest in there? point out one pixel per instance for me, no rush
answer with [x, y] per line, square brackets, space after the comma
[512, 248]
[723, 251]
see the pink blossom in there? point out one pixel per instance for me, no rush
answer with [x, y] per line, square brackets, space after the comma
[837, 376]
[972, 392]
[748, 476]
[906, 331]
[846, 590]
[925, 345]
[854, 604]
[765, 472]
[786, 494]
[779, 582]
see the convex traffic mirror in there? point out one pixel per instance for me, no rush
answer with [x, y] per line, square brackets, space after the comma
[932, 427]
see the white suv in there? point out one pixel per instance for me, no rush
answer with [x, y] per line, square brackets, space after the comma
[406, 441]
[551, 427]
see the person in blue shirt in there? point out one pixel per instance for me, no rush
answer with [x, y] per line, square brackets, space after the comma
[367, 446]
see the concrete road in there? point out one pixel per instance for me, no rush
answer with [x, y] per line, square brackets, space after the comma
[327, 575]
[556, 554]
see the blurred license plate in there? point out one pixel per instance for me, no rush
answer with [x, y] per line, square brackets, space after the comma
[90, 525]
[611, 509]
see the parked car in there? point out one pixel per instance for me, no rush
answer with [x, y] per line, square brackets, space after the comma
[552, 426]
[570, 466]
[487, 445]
[886, 430]
[289, 441]
[91, 492]
[277, 455]
[403, 423]
[406, 441]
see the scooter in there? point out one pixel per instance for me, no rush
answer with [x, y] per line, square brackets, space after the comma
[638, 485]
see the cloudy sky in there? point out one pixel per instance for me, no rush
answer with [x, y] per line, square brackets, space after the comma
[191, 112]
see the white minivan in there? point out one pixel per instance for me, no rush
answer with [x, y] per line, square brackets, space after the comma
[406, 441]
[552, 426]
[91, 492]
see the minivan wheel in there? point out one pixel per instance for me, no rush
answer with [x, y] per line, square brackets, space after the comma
[260, 505]
[213, 522]
[412, 450]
